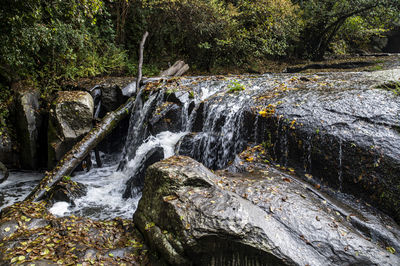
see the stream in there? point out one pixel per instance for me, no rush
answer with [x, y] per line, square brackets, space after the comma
[222, 130]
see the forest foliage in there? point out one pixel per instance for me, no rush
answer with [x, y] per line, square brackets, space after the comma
[48, 41]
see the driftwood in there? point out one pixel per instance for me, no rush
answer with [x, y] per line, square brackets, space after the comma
[4, 169]
[176, 69]
[74, 157]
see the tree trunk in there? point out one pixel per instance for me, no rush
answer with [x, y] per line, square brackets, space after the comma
[72, 159]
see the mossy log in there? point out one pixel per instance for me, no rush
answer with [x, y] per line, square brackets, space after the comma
[75, 156]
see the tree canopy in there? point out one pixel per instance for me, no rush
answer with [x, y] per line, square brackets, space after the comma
[53, 40]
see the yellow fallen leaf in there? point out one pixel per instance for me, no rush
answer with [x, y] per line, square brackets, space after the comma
[250, 159]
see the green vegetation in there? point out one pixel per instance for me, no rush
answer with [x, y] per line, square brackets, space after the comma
[342, 25]
[48, 42]
[235, 86]
[393, 86]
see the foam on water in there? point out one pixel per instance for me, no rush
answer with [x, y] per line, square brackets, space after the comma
[59, 208]
[104, 198]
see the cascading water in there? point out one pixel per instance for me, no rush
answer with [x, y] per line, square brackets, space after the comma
[219, 139]
[214, 126]
[104, 198]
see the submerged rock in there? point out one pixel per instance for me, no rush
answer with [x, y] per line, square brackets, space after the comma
[70, 119]
[191, 216]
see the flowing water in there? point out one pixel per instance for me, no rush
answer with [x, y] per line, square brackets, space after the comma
[218, 136]
[17, 187]
[216, 144]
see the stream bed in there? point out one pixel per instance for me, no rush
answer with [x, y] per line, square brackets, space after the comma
[306, 152]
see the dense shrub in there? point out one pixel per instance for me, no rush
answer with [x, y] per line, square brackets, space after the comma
[210, 32]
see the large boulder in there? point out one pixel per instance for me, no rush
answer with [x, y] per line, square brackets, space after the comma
[27, 123]
[70, 119]
[337, 127]
[191, 216]
[350, 139]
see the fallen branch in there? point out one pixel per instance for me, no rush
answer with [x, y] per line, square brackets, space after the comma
[75, 156]
[138, 102]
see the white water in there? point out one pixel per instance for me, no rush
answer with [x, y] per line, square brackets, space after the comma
[106, 185]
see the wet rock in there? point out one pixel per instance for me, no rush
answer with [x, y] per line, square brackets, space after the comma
[189, 215]
[70, 119]
[7, 228]
[199, 117]
[177, 97]
[167, 117]
[349, 139]
[185, 146]
[135, 184]
[334, 127]
[115, 141]
[8, 151]
[111, 97]
[67, 191]
[27, 125]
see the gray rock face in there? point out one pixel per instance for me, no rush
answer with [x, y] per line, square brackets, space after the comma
[70, 119]
[111, 97]
[336, 127]
[27, 124]
[191, 216]
[350, 139]
[166, 118]
[8, 155]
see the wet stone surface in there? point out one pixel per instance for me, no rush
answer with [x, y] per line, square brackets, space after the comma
[265, 216]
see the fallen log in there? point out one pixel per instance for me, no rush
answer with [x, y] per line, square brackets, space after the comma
[5, 172]
[75, 156]
[176, 69]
